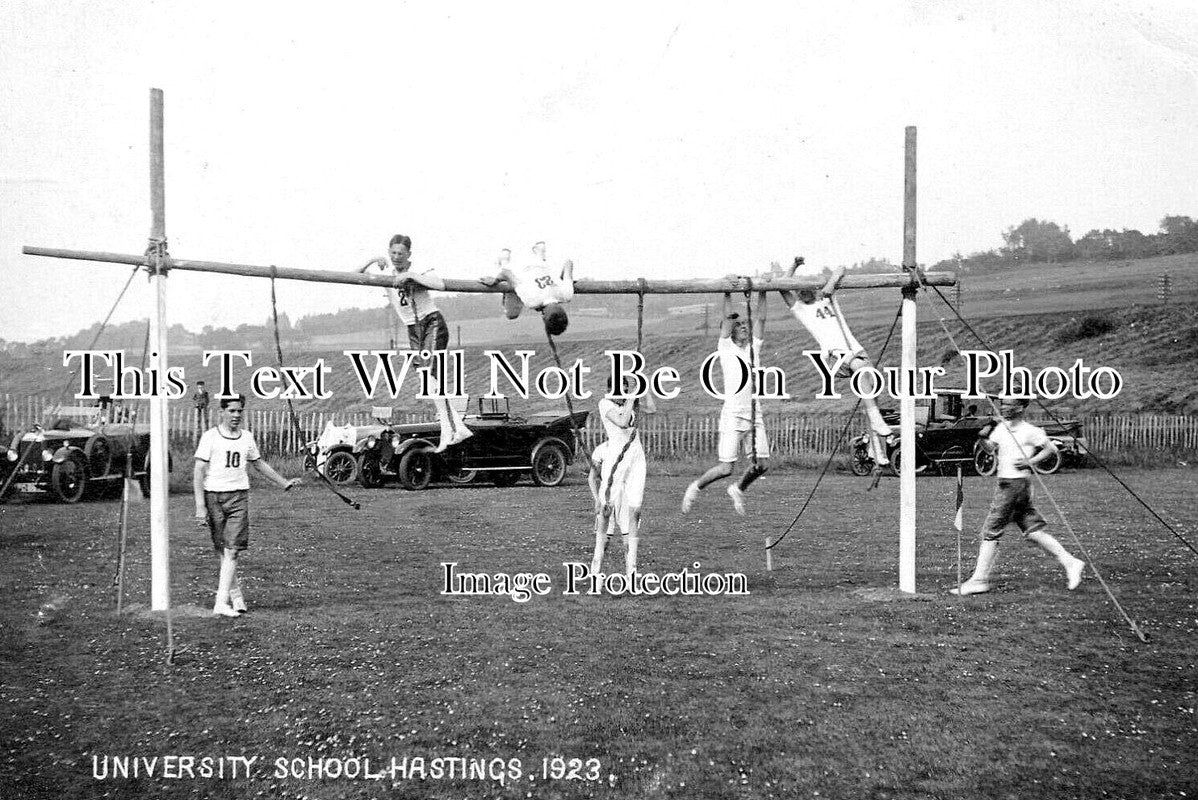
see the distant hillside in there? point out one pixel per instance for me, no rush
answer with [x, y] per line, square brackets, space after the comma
[1040, 312]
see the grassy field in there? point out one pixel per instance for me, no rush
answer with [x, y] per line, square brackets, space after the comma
[822, 682]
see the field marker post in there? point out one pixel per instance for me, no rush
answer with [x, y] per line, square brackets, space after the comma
[907, 401]
[156, 262]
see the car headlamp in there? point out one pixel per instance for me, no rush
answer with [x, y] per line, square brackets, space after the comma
[371, 442]
[47, 454]
[11, 455]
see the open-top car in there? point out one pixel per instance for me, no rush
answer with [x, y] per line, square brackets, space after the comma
[946, 436]
[82, 452]
[503, 448]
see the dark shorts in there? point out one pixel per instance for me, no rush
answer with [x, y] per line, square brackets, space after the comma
[1012, 503]
[431, 332]
[229, 519]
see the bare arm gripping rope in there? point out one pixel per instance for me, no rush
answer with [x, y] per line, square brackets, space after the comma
[640, 324]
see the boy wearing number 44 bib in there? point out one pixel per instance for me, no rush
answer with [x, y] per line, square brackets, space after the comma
[819, 313]
[222, 493]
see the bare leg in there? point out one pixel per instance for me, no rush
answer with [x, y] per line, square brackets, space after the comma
[236, 598]
[632, 540]
[979, 582]
[512, 305]
[721, 470]
[228, 575]
[603, 523]
[1074, 567]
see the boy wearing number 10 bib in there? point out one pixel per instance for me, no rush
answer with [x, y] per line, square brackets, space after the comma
[221, 483]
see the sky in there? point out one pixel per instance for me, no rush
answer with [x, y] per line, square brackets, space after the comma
[657, 139]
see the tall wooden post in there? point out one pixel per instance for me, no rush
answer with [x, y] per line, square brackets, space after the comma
[907, 401]
[160, 589]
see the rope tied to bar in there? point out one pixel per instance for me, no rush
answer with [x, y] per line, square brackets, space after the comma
[753, 388]
[157, 256]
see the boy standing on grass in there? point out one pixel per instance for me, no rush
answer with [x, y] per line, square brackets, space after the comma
[222, 496]
[537, 285]
[741, 426]
[201, 400]
[1018, 446]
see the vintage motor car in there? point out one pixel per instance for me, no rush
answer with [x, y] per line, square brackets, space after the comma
[504, 447]
[83, 452]
[946, 435]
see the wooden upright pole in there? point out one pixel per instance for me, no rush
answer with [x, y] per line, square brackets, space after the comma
[160, 590]
[907, 401]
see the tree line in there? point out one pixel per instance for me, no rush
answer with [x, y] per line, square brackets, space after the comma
[1043, 241]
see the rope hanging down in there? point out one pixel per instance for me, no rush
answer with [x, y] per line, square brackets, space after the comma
[579, 440]
[836, 447]
[753, 407]
[1064, 520]
[299, 434]
[640, 325]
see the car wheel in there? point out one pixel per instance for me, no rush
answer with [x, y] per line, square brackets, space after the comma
[370, 473]
[461, 476]
[143, 480]
[549, 464]
[98, 452]
[341, 467]
[1050, 464]
[504, 478]
[860, 464]
[68, 479]
[415, 469]
[984, 462]
[896, 463]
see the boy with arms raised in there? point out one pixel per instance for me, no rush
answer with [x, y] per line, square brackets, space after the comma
[741, 426]
[819, 313]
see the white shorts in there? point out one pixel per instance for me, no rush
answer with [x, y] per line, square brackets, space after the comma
[735, 438]
[624, 490]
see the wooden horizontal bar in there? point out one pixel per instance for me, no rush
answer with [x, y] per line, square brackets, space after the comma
[581, 286]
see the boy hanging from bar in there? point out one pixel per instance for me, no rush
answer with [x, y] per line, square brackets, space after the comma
[741, 425]
[537, 285]
[427, 329]
[820, 314]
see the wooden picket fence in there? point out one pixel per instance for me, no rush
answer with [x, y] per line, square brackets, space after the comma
[666, 434]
